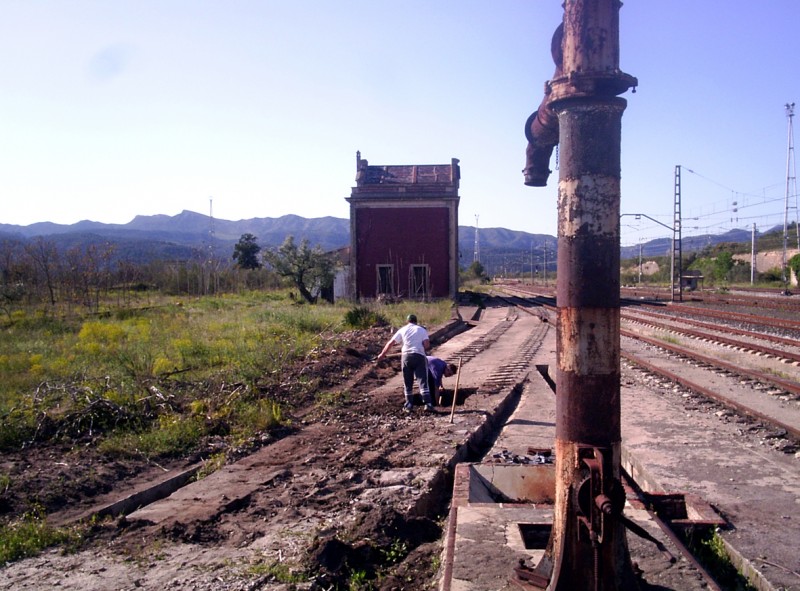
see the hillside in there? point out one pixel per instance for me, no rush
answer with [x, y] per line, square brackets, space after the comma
[185, 235]
[189, 235]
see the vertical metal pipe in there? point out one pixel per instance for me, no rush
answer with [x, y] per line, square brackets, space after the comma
[589, 544]
[588, 351]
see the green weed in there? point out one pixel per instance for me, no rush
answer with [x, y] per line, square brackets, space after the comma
[31, 534]
[778, 373]
[171, 435]
[709, 549]
[333, 399]
[211, 465]
[251, 418]
[359, 581]
[668, 339]
[16, 427]
[280, 571]
[396, 552]
[436, 563]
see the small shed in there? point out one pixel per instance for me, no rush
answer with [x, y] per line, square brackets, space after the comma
[404, 230]
[341, 280]
[692, 280]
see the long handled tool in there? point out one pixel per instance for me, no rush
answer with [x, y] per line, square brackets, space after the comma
[455, 390]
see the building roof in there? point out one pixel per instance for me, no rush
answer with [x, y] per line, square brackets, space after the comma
[408, 175]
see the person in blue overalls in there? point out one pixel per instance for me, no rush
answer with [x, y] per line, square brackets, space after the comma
[438, 369]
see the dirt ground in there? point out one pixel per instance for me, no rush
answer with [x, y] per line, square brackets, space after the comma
[332, 501]
[335, 445]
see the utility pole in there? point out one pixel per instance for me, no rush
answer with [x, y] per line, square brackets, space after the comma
[476, 254]
[531, 261]
[789, 161]
[753, 256]
[545, 262]
[212, 275]
[640, 261]
[677, 254]
[674, 230]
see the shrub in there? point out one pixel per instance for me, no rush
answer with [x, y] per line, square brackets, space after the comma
[770, 275]
[362, 318]
[171, 435]
[249, 419]
[16, 428]
[794, 265]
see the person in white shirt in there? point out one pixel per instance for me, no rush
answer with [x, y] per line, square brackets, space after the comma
[414, 342]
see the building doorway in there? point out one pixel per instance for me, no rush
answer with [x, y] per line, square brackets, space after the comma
[385, 280]
[418, 281]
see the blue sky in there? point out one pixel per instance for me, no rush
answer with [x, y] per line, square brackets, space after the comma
[116, 108]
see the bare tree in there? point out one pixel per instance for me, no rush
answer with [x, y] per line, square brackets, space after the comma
[45, 258]
[14, 274]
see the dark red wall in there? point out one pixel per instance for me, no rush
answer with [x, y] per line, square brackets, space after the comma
[402, 237]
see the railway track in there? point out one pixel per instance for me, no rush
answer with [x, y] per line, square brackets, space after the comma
[765, 395]
[701, 426]
[769, 300]
[724, 384]
[728, 316]
[761, 326]
[747, 341]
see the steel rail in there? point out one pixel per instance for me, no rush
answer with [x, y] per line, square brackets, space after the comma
[750, 318]
[788, 385]
[756, 301]
[694, 387]
[640, 495]
[737, 331]
[539, 293]
[777, 291]
[777, 303]
[793, 357]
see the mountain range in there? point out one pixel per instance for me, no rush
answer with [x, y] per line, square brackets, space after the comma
[185, 235]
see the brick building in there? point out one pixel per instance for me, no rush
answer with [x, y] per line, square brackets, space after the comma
[404, 230]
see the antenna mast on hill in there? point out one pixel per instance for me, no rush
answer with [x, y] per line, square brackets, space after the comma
[476, 255]
[211, 227]
[211, 217]
[212, 276]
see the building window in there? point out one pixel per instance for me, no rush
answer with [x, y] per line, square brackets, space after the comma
[385, 279]
[418, 281]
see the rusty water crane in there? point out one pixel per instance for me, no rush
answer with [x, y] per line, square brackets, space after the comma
[582, 112]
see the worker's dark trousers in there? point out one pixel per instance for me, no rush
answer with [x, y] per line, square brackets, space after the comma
[415, 366]
[433, 388]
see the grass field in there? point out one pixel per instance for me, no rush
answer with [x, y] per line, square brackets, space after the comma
[156, 378]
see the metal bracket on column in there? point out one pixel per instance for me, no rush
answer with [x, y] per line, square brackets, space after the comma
[599, 495]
